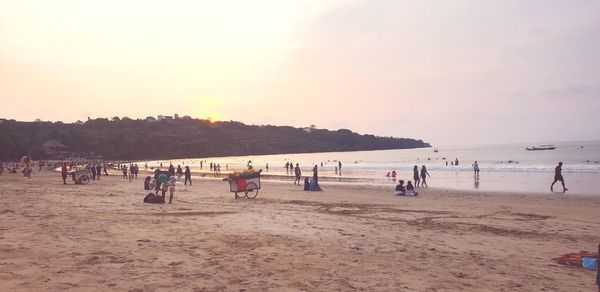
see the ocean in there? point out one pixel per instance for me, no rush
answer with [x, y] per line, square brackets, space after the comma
[506, 167]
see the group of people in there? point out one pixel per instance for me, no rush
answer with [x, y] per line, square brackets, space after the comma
[97, 170]
[187, 173]
[130, 172]
[420, 178]
[309, 184]
[452, 163]
[401, 190]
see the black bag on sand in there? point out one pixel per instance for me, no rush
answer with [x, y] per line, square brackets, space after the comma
[154, 199]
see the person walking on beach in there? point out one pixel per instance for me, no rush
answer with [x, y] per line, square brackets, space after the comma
[98, 170]
[63, 171]
[558, 177]
[298, 174]
[188, 175]
[340, 167]
[416, 176]
[315, 173]
[456, 162]
[93, 169]
[476, 169]
[179, 171]
[424, 175]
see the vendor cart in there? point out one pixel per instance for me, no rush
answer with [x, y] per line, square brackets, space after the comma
[81, 177]
[246, 183]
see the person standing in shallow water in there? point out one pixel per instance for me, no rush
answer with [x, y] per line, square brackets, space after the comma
[558, 177]
[416, 176]
[424, 175]
[476, 169]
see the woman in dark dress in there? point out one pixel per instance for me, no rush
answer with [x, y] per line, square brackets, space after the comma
[424, 175]
[416, 176]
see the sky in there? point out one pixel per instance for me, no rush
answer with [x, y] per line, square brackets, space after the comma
[453, 72]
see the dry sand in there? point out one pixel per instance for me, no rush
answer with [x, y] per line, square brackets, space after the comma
[102, 237]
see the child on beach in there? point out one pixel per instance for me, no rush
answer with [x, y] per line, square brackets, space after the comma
[164, 187]
[171, 191]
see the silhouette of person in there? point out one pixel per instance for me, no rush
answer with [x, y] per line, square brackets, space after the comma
[298, 174]
[558, 177]
[424, 175]
[416, 176]
[476, 169]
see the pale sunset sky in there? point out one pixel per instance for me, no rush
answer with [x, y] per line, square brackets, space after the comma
[449, 72]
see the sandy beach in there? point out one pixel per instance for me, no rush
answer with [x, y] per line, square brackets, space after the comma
[101, 237]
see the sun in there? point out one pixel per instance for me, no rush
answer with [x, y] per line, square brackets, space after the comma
[212, 118]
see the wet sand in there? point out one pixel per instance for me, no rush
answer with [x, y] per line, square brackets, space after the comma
[101, 237]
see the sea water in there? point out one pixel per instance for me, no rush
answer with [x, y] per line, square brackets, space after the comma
[508, 167]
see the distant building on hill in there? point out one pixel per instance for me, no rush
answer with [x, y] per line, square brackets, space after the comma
[161, 117]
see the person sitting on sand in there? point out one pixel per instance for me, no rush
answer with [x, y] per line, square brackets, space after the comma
[400, 190]
[314, 186]
[147, 183]
[306, 184]
[410, 189]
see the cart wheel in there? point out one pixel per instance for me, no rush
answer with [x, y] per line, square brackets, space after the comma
[251, 190]
[85, 179]
[236, 195]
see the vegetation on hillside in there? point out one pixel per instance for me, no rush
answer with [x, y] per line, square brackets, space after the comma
[123, 138]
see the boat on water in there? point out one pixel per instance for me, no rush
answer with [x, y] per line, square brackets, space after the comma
[541, 147]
